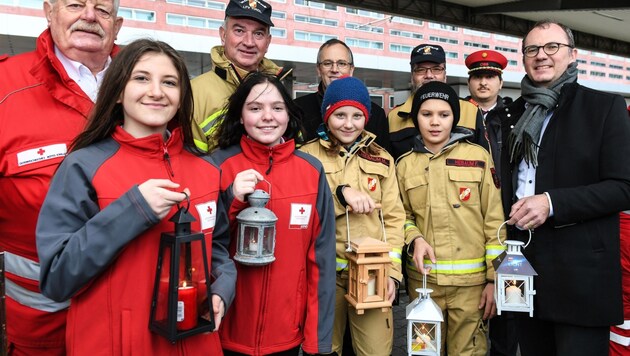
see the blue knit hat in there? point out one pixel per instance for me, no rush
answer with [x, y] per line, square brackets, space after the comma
[346, 91]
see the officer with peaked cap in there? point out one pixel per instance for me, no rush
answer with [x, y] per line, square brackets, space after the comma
[485, 69]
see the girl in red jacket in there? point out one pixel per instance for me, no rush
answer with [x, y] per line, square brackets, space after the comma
[99, 228]
[289, 302]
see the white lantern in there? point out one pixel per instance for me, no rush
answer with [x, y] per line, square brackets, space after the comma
[424, 323]
[514, 278]
[256, 239]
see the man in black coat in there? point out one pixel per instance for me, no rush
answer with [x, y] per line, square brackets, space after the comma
[566, 176]
[335, 60]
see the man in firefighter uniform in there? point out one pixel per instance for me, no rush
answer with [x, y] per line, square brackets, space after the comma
[428, 63]
[45, 98]
[453, 211]
[245, 38]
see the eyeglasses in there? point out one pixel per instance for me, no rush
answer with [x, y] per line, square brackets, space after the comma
[434, 70]
[550, 48]
[340, 64]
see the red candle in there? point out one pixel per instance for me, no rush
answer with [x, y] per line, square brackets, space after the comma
[186, 307]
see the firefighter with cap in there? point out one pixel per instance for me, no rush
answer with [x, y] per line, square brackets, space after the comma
[245, 38]
[428, 63]
[485, 69]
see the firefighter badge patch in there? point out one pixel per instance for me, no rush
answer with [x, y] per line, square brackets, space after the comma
[464, 193]
[371, 183]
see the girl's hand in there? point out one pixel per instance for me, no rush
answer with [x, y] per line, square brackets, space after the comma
[245, 183]
[160, 195]
[359, 202]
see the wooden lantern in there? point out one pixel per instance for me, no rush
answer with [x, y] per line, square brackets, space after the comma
[368, 271]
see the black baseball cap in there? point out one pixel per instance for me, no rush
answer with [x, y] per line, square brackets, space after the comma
[428, 53]
[258, 10]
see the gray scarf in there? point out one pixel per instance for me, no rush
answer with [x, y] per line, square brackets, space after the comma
[523, 140]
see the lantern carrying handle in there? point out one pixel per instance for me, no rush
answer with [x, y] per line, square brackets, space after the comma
[499, 238]
[378, 206]
[268, 185]
[187, 202]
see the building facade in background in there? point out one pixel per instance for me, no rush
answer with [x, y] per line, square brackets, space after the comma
[381, 43]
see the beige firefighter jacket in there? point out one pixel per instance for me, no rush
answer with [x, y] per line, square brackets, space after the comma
[212, 89]
[371, 174]
[452, 200]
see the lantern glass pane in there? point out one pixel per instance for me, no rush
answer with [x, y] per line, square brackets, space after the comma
[161, 310]
[423, 336]
[269, 239]
[514, 291]
[250, 240]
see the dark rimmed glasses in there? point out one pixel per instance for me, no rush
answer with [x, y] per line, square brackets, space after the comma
[550, 48]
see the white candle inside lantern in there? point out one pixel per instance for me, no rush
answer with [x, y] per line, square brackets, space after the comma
[253, 246]
[371, 287]
[514, 294]
[424, 341]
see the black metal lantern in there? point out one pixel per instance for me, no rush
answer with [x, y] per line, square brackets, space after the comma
[256, 239]
[181, 293]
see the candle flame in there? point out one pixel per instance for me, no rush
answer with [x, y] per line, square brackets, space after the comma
[184, 284]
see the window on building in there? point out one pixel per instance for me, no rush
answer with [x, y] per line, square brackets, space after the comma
[615, 66]
[31, 4]
[367, 28]
[366, 13]
[512, 62]
[407, 34]
[468, 31]
[136, 14]
[192, 21]
[278, 32]
[215, 5]
[506, 38]
[392, 102]
[582, 71]
[394, 47]
[316, 5]
[598, 64]
[597, 74]
[443, 40]
[506, 49]
[581, 61]
[357, 42]
[440, 26]
[452, 55]
[406, 20]
[278, 14]
[315, 20]
[312, 36]
[377, 99]
[615, 76]
[475, 44]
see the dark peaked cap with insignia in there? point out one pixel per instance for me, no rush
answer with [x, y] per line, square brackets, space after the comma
[428, 53]
[486, 61]
[258, 10]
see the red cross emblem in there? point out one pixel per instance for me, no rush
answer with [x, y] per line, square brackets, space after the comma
[302, 210]
[41, 151]
[209, 210]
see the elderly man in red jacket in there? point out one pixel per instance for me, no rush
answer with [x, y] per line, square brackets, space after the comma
[45, 98]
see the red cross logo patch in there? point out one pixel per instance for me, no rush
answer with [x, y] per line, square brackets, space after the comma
[371, 183]
[464, 193]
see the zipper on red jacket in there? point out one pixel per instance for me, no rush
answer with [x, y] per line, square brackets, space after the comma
[167, 160]
[270, 161]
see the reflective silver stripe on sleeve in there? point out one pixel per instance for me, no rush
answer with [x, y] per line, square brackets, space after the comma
[21, 266]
